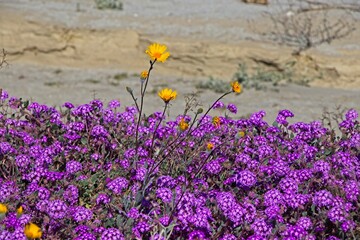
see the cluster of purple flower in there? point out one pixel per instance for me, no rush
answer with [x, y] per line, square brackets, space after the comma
[81, 174]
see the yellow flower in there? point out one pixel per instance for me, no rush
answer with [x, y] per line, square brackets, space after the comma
[19, 211]
[3, 208]
[167, 94]
[210, 146]
[236, 87]
[32, 231]
[241, 134]
[144, 75]
[216, 121]
[158, 52]
[183, 125]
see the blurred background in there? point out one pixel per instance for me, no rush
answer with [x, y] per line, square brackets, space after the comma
[302, 55]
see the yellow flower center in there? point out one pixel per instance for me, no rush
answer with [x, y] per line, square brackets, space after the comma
[3, 208]
[216, 121]
[157, 55]
[144, 75]
[183, 125]
[32, 231]
[241, 134]
[210, 146]
[19, 210]
[236, 87]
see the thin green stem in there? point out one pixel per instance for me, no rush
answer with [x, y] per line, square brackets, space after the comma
[189, 132]
[142, 92]
[147, 79]
[153, 167]
[205, 161]
[156, 128]
[135, 100]
[182, 194]
[209, 109]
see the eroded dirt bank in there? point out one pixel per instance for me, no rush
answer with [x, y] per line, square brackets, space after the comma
[57, 53]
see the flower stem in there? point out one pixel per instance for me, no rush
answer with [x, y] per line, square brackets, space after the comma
[142, 92]
[209, 109]
[155, 165]
[188, 133]
[156, 128]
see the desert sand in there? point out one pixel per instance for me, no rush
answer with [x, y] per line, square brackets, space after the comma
[59, 51]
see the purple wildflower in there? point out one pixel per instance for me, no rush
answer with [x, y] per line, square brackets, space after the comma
[288, 185]
[112, 234]
[228, 237]
[197, 234]
[323, 198]
[68, 105]
[102, 198]
[114, 104]
[236, 214]
[22, 161]
[246, 178]
[85, 236]
[43, 193]
[82, 214]
[117, 185]
[99, 131]
[165, 194]
[18, 234]
[165, 220]
[273, 197]
[351, 115]
[260, 227]
[232, 108]
[218, 104]
[352, 190]
[73, 167]
[305, 223]
[133, 213]
[213, 167]
[141, 228]
[336, 214]
[57, 209]
[348, 225]
[225, 200]
[296, 232]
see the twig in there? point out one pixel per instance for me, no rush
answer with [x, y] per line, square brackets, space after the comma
[3, 59]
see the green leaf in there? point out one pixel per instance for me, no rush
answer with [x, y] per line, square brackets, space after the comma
[328, 152]
[313, 209]
[94, 178]
[119, 221]
[109, 223]
[138, 197]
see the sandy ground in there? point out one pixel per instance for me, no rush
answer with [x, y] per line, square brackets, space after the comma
[66, 50]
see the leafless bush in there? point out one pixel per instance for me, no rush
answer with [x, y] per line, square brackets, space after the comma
[3, 59]
[109, 4]
[305, 24]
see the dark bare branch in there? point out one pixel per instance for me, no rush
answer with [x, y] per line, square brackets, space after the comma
[306, 24]
[3, 61]
[321, 6]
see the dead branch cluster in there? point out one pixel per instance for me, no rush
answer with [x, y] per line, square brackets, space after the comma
[305, 24]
